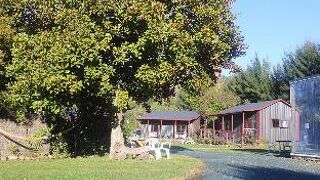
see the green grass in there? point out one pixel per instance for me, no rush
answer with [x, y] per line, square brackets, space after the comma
[99, 168]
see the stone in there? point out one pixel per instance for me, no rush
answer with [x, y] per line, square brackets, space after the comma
[4, 158]
[21, 157]
[12, 157]
[145, 156]
[118, 156]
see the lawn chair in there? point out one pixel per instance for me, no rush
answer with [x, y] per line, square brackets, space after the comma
[271, 146]
[157, 148]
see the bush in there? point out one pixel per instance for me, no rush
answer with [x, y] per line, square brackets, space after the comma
[14, 150]
[189, 140]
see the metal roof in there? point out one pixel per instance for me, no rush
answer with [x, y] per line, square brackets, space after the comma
[305, 78]
[170, 115]
[251, 107]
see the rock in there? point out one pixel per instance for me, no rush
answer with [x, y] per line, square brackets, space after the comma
[4, 158]
[12, 157]
[28, 158]
[50, 157]
[118, 156]
[145, 156]
[21, 157]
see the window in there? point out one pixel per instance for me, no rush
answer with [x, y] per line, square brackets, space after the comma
[275, 123]
[306, 125]
[284, 124]
[181, 129]
[154, 128]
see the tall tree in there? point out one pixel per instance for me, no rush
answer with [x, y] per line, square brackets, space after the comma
[210, 101]
[254, 83]
[280, 83]
[304, 61]
[93, 57]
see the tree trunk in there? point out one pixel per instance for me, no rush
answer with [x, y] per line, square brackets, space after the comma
[116, 133]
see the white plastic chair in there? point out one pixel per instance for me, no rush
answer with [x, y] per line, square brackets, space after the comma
[157, 148]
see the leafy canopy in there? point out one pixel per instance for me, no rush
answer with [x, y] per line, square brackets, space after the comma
[56, 53]
[210, 101]
[80, 64]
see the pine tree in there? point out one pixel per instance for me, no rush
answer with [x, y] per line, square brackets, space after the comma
[304, 61]
[253, 84]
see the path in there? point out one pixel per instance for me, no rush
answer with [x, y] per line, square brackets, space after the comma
[241, 165]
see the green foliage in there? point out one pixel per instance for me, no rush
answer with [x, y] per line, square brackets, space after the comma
[254, 83]
[304, 61]
[130, 120]
[13, 149]
[210, 101]
[98, 56]
[59, 148]
[257, 83]
[40, 133]
[6, 35]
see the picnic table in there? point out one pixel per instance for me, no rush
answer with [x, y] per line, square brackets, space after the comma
[283, 144]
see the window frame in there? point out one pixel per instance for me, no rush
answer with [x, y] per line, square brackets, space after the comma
[279, 123]
[284, 127]
[273, 123]
[154, 128]
[182, 127]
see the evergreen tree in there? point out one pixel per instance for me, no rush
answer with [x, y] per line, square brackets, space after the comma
[279, 83]
[304, 61]
[253, 84]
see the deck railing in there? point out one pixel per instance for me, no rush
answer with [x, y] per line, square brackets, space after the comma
[228, 136]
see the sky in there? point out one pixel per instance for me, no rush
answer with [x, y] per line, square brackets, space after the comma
[273, 27]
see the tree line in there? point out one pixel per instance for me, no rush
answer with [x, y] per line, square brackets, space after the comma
[259, 82]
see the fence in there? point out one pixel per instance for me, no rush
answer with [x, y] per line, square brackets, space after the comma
[228, 136]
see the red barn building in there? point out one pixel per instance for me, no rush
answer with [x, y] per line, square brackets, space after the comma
[269, 121]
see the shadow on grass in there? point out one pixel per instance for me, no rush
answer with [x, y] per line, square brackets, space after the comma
[255, 151]
[261, 173]
[176, 149]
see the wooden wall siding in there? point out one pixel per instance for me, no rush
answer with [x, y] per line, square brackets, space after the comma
[261, 122]
[195, 126]
[276, 111]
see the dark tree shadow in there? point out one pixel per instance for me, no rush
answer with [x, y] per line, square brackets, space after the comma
[261, 173]
[177, 149]
[90, 129]
[255, 151]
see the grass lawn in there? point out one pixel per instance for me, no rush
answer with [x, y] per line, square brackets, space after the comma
[99, 168]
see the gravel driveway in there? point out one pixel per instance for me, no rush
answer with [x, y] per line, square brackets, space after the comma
[244, 165]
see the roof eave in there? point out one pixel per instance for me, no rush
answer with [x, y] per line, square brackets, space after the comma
[171, 119]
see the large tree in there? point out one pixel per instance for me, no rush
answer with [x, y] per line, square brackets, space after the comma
[210, 100]
[304, 61]
[78, 63]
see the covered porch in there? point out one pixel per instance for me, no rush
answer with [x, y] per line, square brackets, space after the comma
[232, 128]
[169, 124]
[166, 129]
